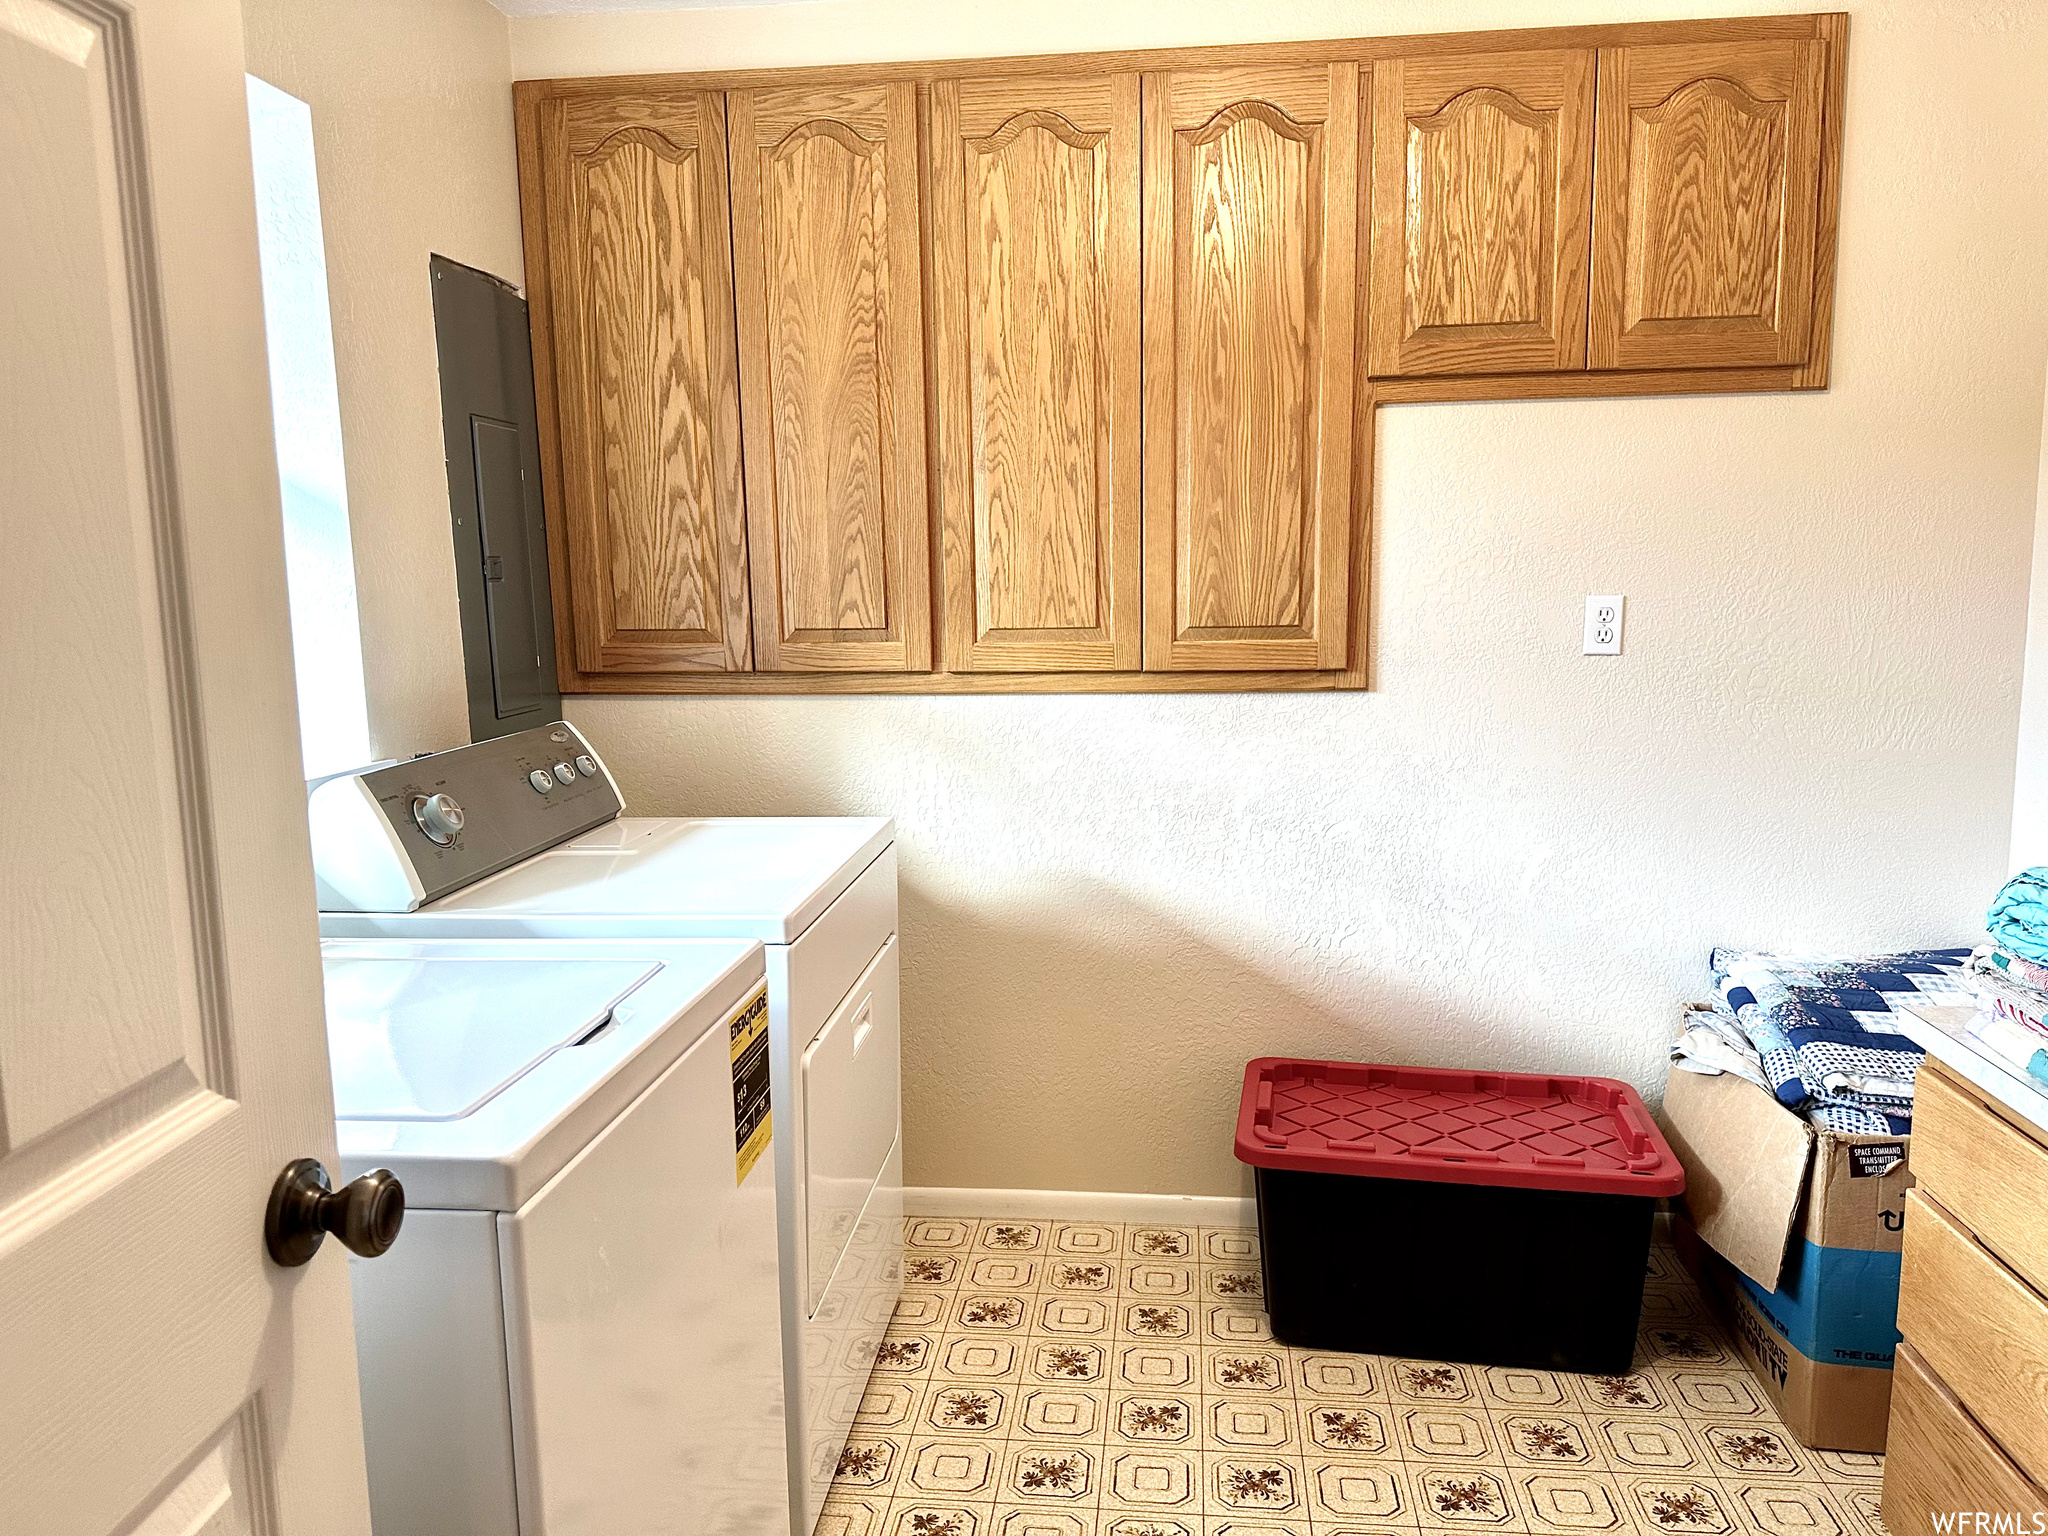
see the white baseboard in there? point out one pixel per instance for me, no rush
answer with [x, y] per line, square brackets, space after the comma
[1084, 1205]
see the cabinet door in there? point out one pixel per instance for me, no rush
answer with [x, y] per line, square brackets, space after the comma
[1703, 204]
[1483, 177]
[825, 240]
[1035, 315]
[1251, 220]
[639, 277]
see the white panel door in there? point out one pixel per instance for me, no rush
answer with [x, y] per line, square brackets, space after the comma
[162, 1053]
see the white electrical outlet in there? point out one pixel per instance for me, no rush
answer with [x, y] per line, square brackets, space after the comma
[1603, 625]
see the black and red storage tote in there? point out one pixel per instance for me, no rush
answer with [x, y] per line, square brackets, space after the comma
[1500, 1218]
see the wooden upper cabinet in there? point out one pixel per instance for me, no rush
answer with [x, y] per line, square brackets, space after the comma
[1482, 183]
[639, 302]
[825, 242]
[1035, 299]
[1132, 439]
[1704, 204]
[1251, 221]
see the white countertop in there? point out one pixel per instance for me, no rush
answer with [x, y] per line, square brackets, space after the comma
[1942, 1033]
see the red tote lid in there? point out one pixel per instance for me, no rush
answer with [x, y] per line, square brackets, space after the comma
[1592, 1135]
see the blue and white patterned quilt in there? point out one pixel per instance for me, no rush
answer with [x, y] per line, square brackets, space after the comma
[1825, 1027]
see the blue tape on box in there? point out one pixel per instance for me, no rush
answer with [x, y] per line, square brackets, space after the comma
[1839, 1306]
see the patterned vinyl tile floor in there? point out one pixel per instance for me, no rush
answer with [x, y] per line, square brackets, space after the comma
[1090, 1379]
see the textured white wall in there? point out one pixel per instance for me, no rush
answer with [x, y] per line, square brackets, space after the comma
[2030, 784]
[412, 130]
[1506, 855]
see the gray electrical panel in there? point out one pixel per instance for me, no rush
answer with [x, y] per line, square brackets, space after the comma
[492, 446]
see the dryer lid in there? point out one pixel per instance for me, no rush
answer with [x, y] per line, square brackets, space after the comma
[438, 1038]
[758, 877]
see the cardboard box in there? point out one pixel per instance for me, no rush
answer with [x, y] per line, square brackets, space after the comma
[1809, 1224]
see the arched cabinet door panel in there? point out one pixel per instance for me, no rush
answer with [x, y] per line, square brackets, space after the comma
[1035, 297]
[1251, 226]
[827, 277]
[1482, 177]
[639, 287]
[1705, 203]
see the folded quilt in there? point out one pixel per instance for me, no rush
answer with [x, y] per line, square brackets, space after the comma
[2018, 920]
[1825, 1028]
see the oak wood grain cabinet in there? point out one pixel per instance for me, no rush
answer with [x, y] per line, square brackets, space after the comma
[646, 396]
[827, 276]
[1062, 374]
[1482, 176]
[1035, 320]
[1704, 204]
[1939, 1459]
[1251, 224]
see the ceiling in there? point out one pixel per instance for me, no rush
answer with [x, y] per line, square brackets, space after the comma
[602, 7]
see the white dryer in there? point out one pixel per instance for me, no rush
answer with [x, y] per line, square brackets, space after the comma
[538, 850]
[577, 1333]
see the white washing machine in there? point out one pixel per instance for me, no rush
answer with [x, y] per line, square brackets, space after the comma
[523, 838]
[578, 1330]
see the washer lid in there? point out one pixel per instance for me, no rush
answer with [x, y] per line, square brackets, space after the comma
[438, 1038]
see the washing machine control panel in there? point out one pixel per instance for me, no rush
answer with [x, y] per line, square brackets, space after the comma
[448, 819]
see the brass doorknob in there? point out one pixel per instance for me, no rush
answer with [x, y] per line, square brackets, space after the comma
[364, 1213]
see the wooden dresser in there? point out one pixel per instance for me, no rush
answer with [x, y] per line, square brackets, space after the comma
[1969, 1425]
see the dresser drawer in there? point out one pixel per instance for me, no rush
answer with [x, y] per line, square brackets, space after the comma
[1940, 1460]
[1990, 1174]
[1983, 1330]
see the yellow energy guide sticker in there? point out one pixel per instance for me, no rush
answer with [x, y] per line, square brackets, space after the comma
[752, 1122]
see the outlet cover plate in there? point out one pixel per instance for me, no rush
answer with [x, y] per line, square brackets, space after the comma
[1603, 625]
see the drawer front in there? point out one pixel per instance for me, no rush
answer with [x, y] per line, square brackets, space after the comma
[1982, 1330]
[1940, 1460]
[851, 1073]
[1990, 1174]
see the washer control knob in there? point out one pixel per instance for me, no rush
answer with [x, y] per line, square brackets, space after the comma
[438, 816]
[586, 766]
[564, 774]
[539, 780]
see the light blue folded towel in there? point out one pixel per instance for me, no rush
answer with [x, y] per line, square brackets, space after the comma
[2018, 920]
